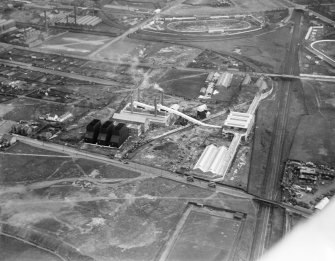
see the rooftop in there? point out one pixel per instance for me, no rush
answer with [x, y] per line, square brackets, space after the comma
[238, 120]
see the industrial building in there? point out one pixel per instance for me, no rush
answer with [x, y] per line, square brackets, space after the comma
[105, 133]
[209, 77]
[120, 134]
[225, 80]
[239, 121]
[202, 111]
[135, 129]
[133, 119]
[6, 26]
[155, 114]
[92, 131]
[212, 160]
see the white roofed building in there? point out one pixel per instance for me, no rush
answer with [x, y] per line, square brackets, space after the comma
[239, 121]
[212, 160]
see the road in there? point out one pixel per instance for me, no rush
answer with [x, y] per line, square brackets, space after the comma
[133, 29]
[146, 172]
[275, 156]
[63, 74]
[143, 169]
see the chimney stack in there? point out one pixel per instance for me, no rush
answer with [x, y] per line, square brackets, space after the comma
[155, 107]
[162, 98]
[45, 20]
[132, 103]
[75, 14]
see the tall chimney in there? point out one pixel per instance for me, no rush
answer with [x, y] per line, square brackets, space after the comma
[75, 14]
[45, 20]
[155, 107]
[162, 98]
[138, 94]
[132, 103]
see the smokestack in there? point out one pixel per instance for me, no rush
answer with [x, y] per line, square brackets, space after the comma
[45, 20]
[67, 19]
[138, 94]
[162, 98]
[132, 103]
[75, 14]
[155, 107]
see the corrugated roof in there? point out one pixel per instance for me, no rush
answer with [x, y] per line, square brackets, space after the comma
[130, 117]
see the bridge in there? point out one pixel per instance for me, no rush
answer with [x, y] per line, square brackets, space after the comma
[315, 77]
[295, 209]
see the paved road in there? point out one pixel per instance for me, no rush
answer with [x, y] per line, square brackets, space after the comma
[275, 157]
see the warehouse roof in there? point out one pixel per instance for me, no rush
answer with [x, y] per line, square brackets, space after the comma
[238, 120]
[212, 159]
[130, 117]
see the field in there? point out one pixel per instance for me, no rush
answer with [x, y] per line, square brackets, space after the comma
[264, 121]
[135, 51]
[209, 236]
[75, 43]
[266, 51]
[313, 140]
[12, 249]
[327, 48]
[27, 164]
[186, 84]
[122, 221]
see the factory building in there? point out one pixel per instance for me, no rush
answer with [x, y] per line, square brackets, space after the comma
[6, 25]
[213, 159]
[202, 112]
[209, 77]
[153, 113]
[239, 121]
[92, 131]
[133, 119]
[135, 129]
[105, 133]
[120, 134]
[225, 80]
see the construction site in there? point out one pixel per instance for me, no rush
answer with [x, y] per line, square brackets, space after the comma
[161, 130]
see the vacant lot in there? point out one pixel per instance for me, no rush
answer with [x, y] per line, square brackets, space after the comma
[23, 148]
[13, 249]
[183, 83]
[209, 237]
[75, 43]
[179, 150]
[313, 140]
[266, 51]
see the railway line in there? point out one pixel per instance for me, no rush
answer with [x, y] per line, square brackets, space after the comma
[275, 156]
